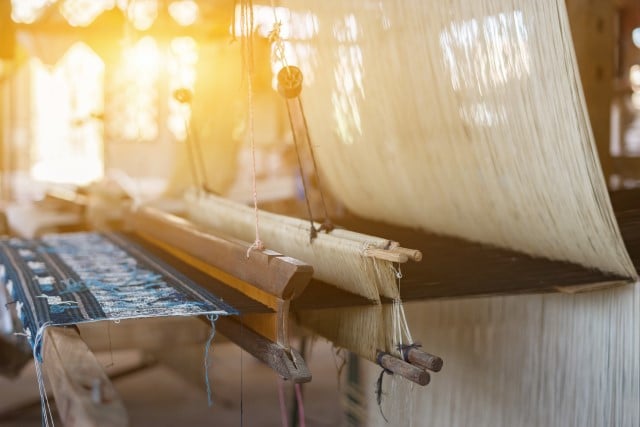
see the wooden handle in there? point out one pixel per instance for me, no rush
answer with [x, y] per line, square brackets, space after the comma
[413, 254]
[404, 369]
[386, 255]
[424, 360]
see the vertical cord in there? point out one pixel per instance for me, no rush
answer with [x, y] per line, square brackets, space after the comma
[192, 162]
[212, 318]
[37, 357]
[110, 345]
[313, 159]
[198, 149]
[241, 378]
[247, 31]
[302, 177]
[283, 405]
[298, 390]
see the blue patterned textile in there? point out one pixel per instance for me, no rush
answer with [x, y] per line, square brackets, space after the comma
[66, 279]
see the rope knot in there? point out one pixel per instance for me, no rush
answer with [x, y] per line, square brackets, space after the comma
[257, 245]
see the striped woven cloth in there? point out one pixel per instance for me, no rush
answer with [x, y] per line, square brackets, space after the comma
[66, 279]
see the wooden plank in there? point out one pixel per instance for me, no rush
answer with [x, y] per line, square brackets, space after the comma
[288, 363]
[278, 275]
[84, 395]
[233, 296]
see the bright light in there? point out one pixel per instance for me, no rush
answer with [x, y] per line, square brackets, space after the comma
[133, 93]
[635, 100]
[184, 12]
[81, 13]
[67, 139]
[635, 36]
[141, 13]
[634, 77]
[143, 57]
[27, 11]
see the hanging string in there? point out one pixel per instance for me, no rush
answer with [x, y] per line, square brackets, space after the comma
[37, 357]
[378, 390]
[191, 154]
[298, 391]
[212, 318]
[241, 378]
[327, 225]
[246, 13]
[401, 332]
[283, 405]
[111, 363]
[279, 51]
[199, 155]
[313, 232]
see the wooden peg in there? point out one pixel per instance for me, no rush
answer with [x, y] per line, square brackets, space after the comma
[413, 254]
[423, 359]
[402, 368]
[386, 255]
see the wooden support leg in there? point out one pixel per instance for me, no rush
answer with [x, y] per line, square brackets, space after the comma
[84, 395]
[286, 362]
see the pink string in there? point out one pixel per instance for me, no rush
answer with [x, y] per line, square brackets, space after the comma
[300, 405]
[283, 406]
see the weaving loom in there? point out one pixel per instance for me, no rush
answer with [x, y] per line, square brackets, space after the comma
[459, 130]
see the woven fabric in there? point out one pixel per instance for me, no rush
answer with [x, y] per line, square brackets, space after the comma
[66, 279]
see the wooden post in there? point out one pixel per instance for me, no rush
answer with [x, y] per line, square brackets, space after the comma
[84, 395]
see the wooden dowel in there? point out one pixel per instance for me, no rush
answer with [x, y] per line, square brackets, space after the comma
[404, 369]
[386, 255]
[413, 254]
[425, 360]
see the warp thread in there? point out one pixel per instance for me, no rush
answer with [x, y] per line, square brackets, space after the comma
[37, 357]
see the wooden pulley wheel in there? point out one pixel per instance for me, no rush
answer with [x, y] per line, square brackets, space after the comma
[183, 95]
[290, 81]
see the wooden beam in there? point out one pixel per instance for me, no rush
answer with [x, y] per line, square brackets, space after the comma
[84, 395]
[269, 271]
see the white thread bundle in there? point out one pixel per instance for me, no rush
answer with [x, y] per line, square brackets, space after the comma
[467, 118]
[336, 258]
[527, 361]
[461, 117]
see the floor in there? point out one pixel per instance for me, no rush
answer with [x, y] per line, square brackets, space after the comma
[245, 392]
